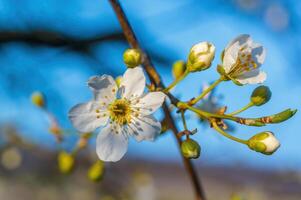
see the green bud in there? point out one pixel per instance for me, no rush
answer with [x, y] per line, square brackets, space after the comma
[190, 149]
[261, 95]
[282, 116]
[264, 142]
[38, 99]
[118, 80]
[96, 171]
[200, 56]
[65, 162]
[132, 57]
[178, 69]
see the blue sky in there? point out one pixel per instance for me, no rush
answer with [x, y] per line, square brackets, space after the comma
[166, 28]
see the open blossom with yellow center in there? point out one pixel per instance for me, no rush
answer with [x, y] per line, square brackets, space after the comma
[242, 59]
[121, 112]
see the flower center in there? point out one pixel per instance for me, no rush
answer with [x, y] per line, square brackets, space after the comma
[244, 62]
[120, 111]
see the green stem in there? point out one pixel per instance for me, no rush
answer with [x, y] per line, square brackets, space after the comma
[218, 129]
[184, 120]
[207, 114]
[205, 92]
[249, 105]
[176, 81]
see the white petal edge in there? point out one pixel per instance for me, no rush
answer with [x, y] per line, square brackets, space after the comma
[241, 40]
[144, 128]
[258, 53]
[133, 83]
[111, 146]
[150, 102]
[259, 77]
[84, 117]
[103, 87]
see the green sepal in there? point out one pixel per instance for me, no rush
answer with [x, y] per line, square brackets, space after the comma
[220, 69]
[282, 116]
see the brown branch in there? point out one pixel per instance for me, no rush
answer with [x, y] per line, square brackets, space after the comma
[155, 79]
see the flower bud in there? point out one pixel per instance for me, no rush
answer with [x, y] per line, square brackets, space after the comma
[178, 69]
[261, 95]
[264, 142]
[38, 99]
[96, 171]
[118, 80]
[132, 57]
[65, 162]
[190, 149]
[200, 56]
[280, 117]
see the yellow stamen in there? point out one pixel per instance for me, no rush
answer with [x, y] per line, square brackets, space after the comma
[120, 111]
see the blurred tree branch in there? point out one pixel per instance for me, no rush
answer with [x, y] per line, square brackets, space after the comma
[76, 44]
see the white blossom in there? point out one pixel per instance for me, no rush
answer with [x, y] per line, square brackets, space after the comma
[122, 112]
[242, 59]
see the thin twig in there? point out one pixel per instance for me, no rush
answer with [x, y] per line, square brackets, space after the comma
[155, 79]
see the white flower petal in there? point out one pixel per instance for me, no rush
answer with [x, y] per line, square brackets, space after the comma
[104, 88]
[144, 128]
[111, 146]
[84, 117]
[258, 53]
[252, 77]
[149, 103]
[230, 57]
[271, 143]
[133, 83]
[242, 39]
[232, 49]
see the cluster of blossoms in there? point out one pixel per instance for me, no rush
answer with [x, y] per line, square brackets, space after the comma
[122, 109]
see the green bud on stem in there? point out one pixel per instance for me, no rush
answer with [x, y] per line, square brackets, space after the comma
[190, 149]
[261, 95]
[178, 69]
[200, 56]
[282, 116]
[132, 58]
[264, 142]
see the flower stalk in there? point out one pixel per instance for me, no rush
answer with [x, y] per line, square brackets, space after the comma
[227, 135]
[175, 82]
[246, 107]
[205, 92]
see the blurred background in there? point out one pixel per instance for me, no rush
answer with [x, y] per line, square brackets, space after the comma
[54, 46]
